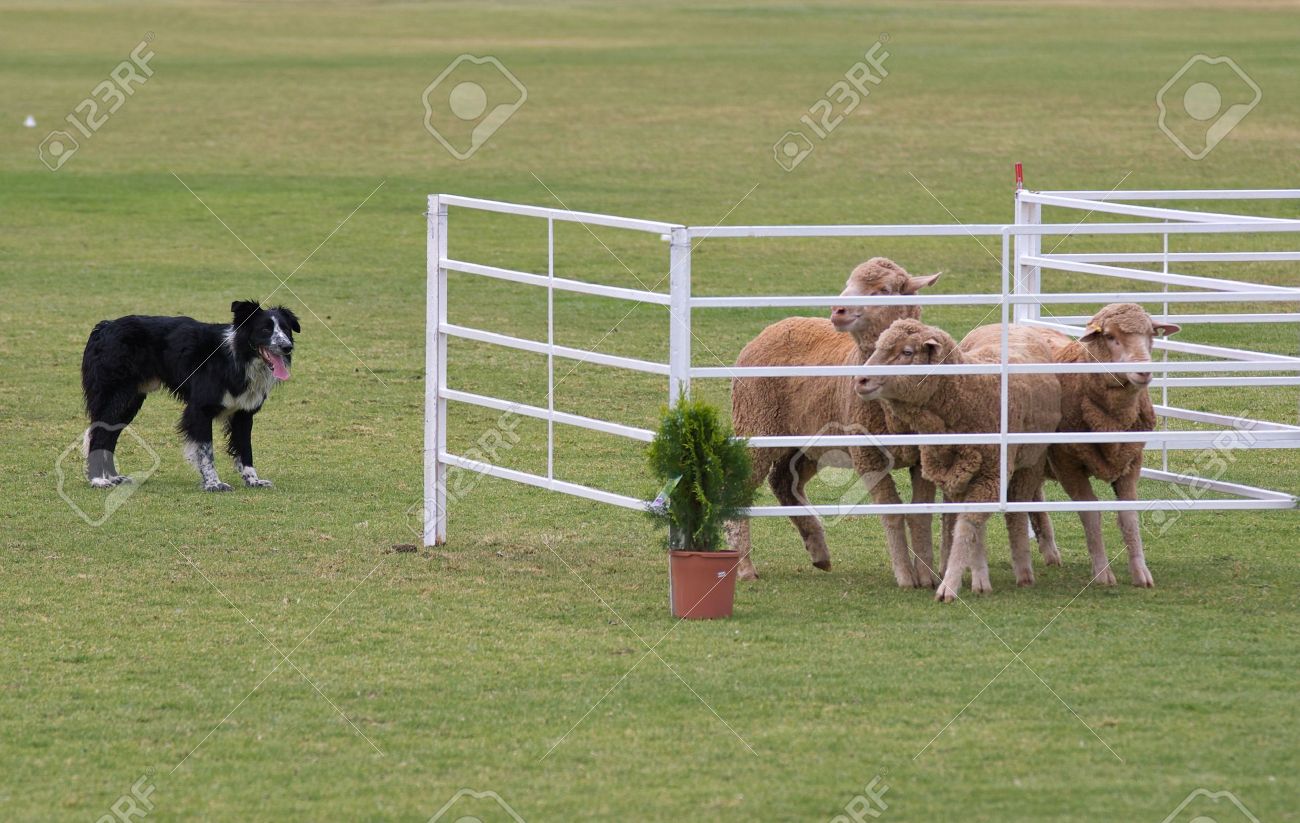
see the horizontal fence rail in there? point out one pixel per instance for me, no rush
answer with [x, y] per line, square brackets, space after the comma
[1269, 225]
[1273, 294]
[1155, 366]
[1188, 439]
[1178, 257]
[1078, 320]
[1107, 207]
[538, 347]
[1168, 278]
[1021, 291]
[1180, 194]
[560, 283]
[563, 215]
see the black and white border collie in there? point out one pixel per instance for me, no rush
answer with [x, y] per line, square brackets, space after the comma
[221, 372]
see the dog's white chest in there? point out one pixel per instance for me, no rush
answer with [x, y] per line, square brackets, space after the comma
[260, 383]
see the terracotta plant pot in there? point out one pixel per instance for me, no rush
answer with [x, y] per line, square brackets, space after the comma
[702, 585]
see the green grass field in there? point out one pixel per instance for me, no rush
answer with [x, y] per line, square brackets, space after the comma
[514, 659]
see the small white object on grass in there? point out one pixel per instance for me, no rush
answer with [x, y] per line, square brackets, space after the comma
[30, 122]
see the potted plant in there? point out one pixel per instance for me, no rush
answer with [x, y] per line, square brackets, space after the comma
[705, 476]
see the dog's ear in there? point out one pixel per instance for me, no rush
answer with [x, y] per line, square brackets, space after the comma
[244, 309]
[291, 317]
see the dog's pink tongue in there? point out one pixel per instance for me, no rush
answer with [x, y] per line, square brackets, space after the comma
[278, 368]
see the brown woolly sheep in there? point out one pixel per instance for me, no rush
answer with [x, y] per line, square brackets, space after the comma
[763, 406]
[1119, 333]
[969, 403]
[991, 335]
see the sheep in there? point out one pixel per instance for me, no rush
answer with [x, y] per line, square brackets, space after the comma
[970, 403]
[764, 406]
[991, 335]
[1118, 402]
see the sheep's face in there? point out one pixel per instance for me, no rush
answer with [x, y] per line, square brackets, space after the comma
[1123, 333]
[905, 343]
[878, 277]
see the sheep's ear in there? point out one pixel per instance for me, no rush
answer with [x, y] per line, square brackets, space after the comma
[915, 284]
[1091, 333]
[1166, 329]
[934, 346]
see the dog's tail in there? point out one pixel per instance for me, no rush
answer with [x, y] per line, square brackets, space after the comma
[89, 363]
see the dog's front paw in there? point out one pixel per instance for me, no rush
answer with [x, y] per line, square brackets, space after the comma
[110, 481]
[257, 483]
[217, 486]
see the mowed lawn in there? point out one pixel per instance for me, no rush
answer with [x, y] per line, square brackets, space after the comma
[151, 650]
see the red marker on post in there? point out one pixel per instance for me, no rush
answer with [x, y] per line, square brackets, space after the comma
[1020, 177]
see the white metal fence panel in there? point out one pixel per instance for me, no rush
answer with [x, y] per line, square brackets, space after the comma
[1020, 296]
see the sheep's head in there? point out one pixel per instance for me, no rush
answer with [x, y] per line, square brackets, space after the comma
[881, 277]
[907, 342]
[1123, 333]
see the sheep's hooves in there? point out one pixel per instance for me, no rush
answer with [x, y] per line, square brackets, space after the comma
[1027, 580]
[1052, 557]
[1143, 580]
[945, 595]
[1105, 577]
[746, 574]
[824, 565]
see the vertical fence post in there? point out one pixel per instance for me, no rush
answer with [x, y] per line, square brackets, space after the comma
[435, 376]
[679, 333]
[1164, 389]
[1003, 475]
[679, 338]
[1028, 279]
[550, 350]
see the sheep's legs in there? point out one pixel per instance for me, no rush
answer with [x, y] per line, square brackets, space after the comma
[947, 521]
[738, 530]
[885, 493]
[979, 563]
[738, 540]
[1044, 533]
[1126, 489]
[968, 538]
[1018, 537]
[921, 529]
[1021, 487]
[956, 556]
[1076, 485]
[788, 479]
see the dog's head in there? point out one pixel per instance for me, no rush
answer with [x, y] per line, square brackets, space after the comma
[267, 332]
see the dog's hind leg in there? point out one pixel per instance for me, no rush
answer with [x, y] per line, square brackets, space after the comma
[239, 431]
[108, 416]
[196, 426]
